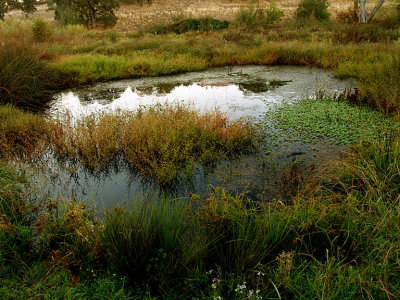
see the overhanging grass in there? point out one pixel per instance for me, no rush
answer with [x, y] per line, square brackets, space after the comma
[164, 142]
[91, 68]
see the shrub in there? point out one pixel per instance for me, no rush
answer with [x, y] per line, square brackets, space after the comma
[260, 17]
[41, 30]
[313, 8]
[89, 13]
[273, 14]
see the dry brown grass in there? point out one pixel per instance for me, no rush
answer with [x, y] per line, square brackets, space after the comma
[133, 17]
[162, 142]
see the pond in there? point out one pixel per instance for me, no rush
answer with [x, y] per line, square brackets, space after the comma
[240, 92]
[248, 92]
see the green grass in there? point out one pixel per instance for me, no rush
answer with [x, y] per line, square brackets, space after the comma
[316, 247]
[13, 206]
[36, 281]
[374, 169]
[378, 81]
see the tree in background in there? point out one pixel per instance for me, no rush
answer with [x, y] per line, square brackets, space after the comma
[27, 6]
[363, 16]
[88, 12]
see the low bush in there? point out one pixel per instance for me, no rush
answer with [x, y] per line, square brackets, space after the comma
[260, 17]
[41, 30]
[317, 9]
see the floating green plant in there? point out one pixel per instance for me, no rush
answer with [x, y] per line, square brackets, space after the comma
[314, 120]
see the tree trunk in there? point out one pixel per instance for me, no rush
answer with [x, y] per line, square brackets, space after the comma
[362, 13]
[363, 16]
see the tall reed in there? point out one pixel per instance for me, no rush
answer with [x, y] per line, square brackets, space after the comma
[24, 80]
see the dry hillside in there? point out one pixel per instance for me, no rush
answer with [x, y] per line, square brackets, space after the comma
[135, 16]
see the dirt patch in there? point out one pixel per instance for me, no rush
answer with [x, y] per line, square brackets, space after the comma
[42, 11]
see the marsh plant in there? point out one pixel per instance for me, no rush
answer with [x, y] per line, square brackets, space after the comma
[164, 142]
[334, 244]
[161, 247]
[312, 120]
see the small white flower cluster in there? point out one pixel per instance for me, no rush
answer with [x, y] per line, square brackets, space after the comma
[241, 289]
[250, 294]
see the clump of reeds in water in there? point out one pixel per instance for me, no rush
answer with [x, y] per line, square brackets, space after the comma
[164, 141]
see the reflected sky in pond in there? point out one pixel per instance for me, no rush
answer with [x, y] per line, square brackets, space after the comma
[243, 91]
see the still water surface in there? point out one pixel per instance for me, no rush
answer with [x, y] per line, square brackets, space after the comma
[241, 92]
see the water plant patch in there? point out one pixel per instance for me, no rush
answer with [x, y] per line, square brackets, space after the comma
[312, 120]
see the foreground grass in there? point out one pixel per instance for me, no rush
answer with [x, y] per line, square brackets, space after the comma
[332, 246]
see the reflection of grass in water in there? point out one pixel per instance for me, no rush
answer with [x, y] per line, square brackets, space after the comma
[312, 120]
[162, 142]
